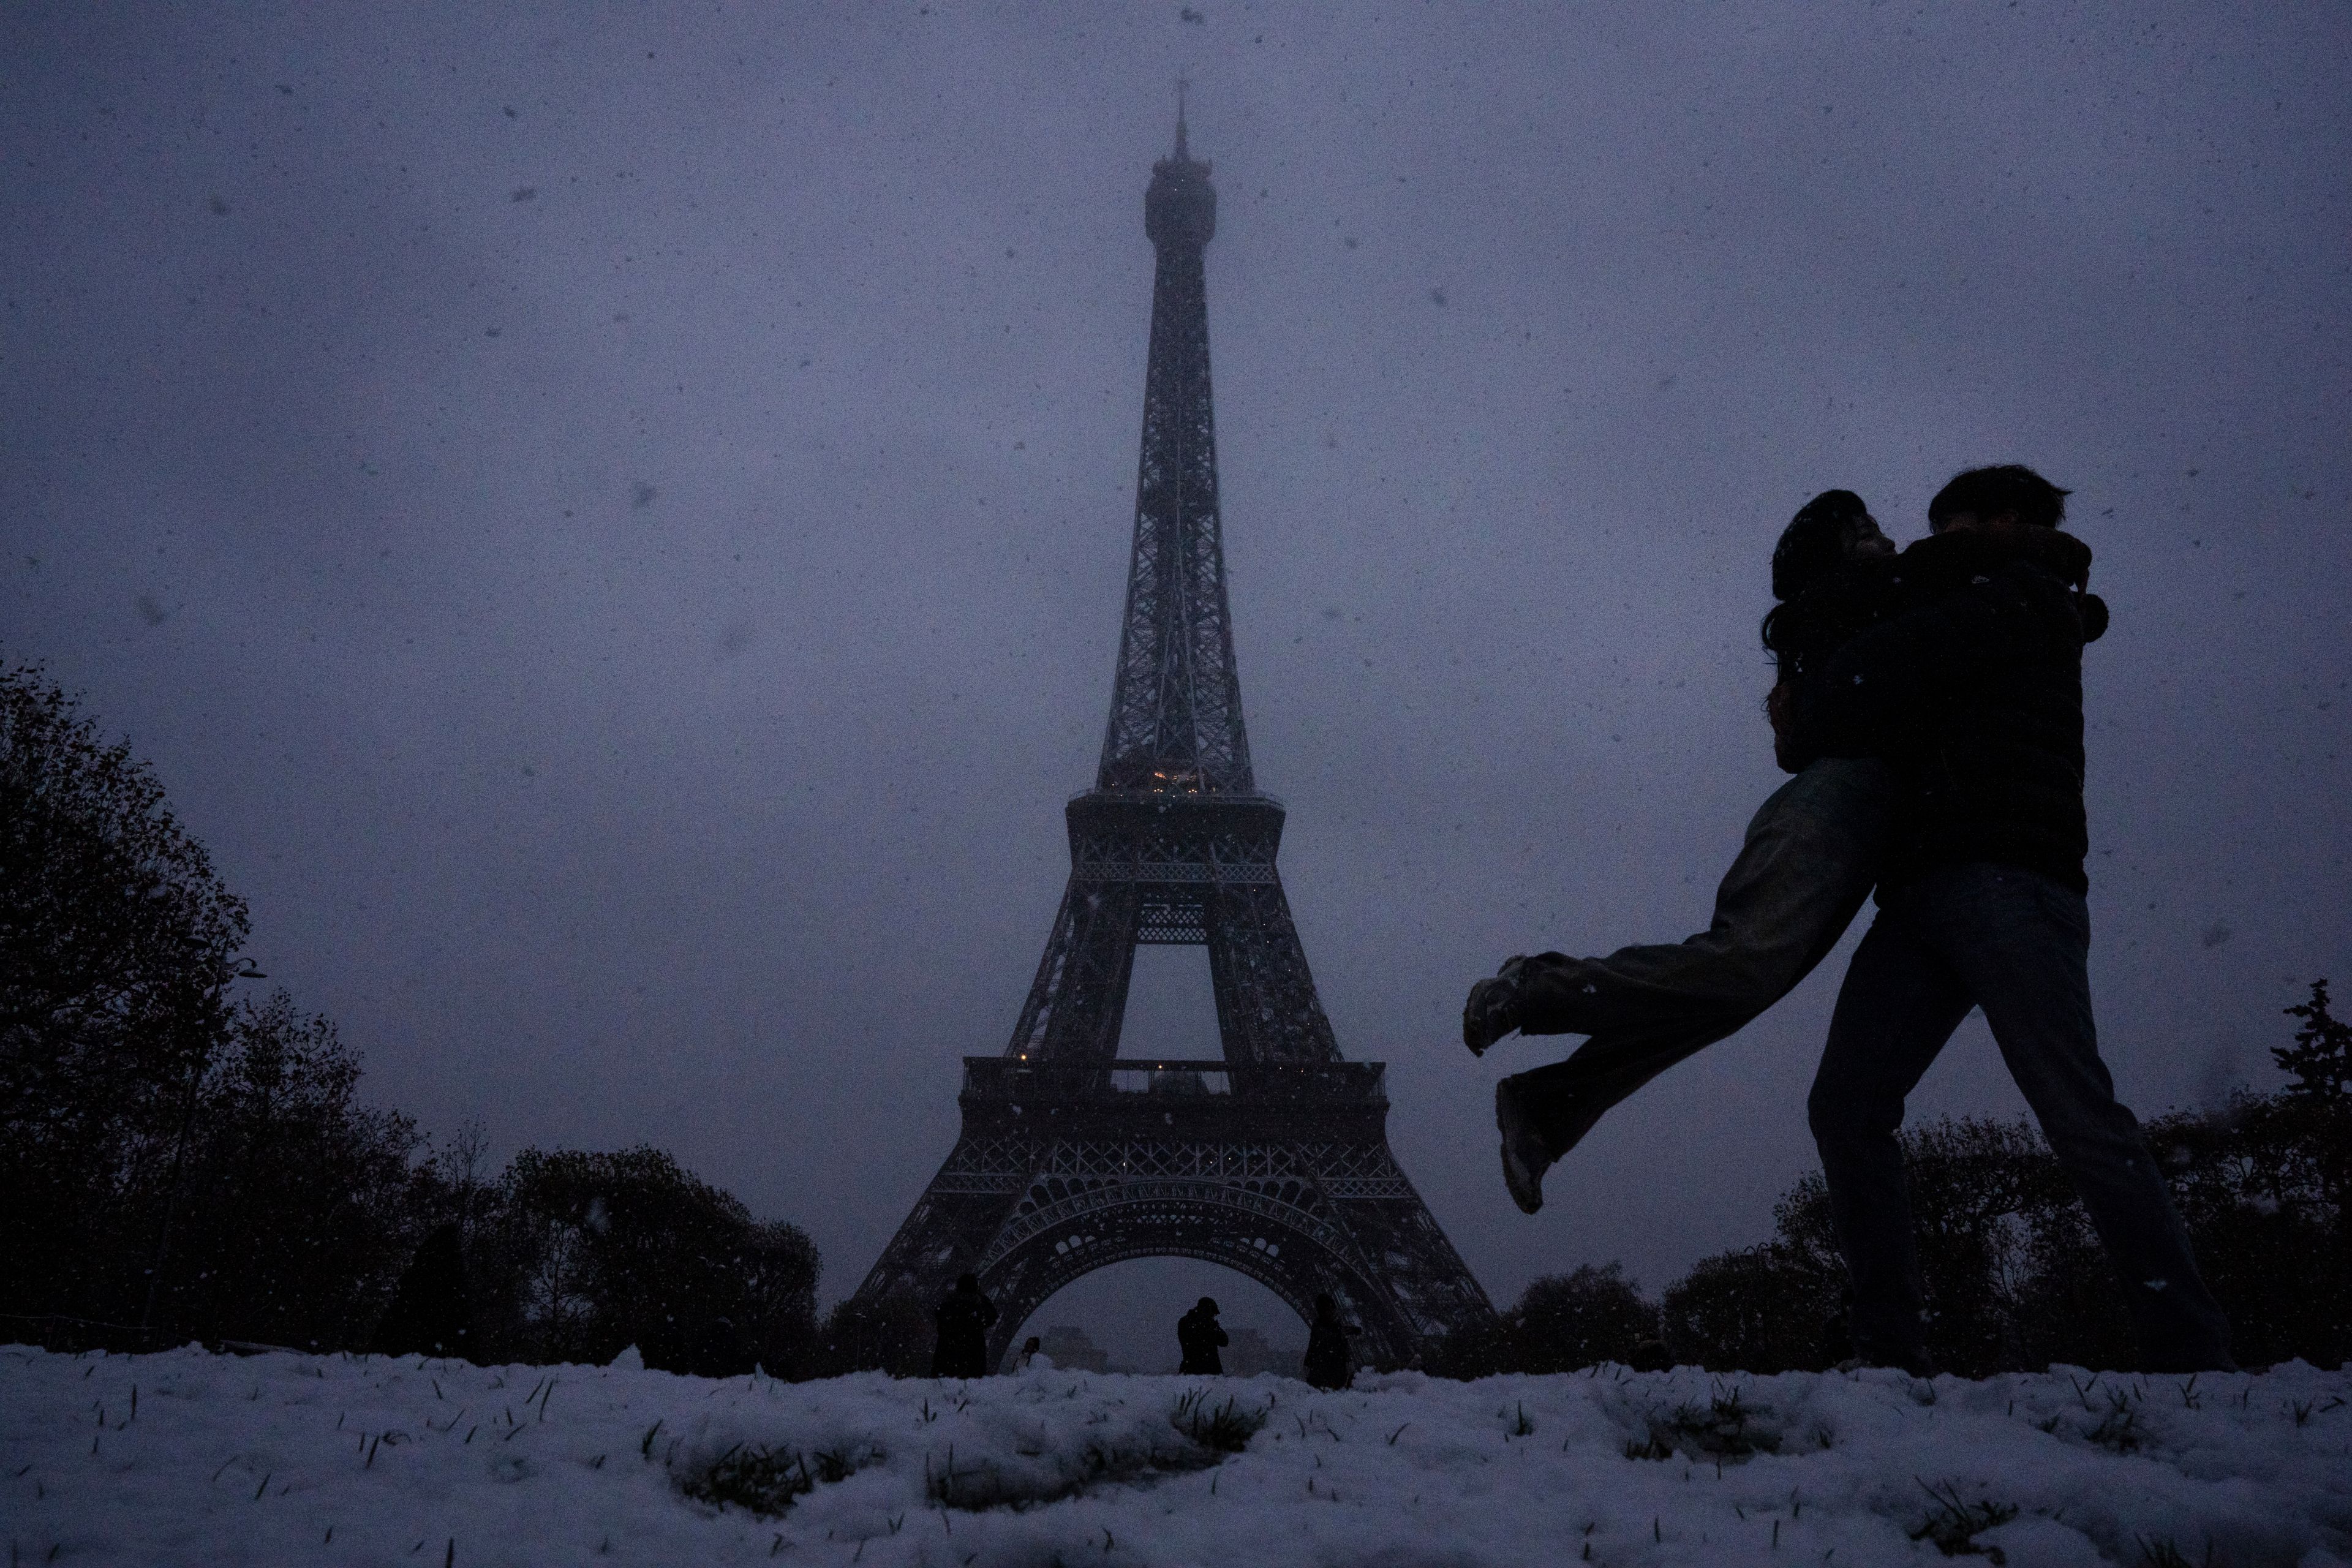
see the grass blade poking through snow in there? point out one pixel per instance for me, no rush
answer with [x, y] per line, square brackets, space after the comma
[1954, 1525]
[1225, 1429]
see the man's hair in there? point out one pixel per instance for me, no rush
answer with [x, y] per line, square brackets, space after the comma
[2003, 488]
[1815, 542]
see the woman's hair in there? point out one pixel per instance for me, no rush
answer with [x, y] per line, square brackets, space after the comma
[1815, 541]
[1811, 551]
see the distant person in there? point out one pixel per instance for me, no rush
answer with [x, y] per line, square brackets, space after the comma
[1033, 1356]
[432, 1311]
[1330, 1360]
[1810, 854]
[1200, 1336]
[963, 1316]
[1973, 692]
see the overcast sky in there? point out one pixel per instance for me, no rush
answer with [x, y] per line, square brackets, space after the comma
[611, 522]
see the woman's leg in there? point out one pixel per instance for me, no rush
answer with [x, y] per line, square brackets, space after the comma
[1809, 857]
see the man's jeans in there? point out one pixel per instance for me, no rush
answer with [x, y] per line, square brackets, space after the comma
[2015, 943]
[1811, 853]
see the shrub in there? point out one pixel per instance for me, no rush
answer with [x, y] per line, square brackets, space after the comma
[586, 1254]
[1764, 1310]
[1566, 1321]
[301, 1205]
[1562, 1321]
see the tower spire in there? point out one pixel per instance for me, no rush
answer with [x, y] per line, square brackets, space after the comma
[1176, 701]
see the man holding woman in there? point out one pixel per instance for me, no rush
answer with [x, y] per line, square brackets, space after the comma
[1930, 708]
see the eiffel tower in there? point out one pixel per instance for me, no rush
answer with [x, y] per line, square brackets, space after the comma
[1274, 1160]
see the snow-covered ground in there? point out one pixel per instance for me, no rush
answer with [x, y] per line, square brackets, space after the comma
[188, 1457]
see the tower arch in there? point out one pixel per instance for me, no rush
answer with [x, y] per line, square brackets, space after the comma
[1285, 1246]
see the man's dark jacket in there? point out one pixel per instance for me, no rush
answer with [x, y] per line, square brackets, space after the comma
[1198, 1335]
[963, 1317]
[1973, 689]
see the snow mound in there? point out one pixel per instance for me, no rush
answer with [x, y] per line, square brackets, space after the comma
[187, 1458]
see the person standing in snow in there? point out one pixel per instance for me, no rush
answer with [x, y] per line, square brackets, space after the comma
[432, 1312]
[963, 1316]
[1973, 691]
[1810, 854]
[1199, 1336]
[1033, 1356]
[1331, 1360]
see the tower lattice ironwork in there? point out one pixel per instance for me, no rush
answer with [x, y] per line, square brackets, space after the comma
[1274, 1160]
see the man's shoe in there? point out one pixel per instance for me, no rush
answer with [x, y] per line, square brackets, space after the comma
[1493, 1009]
[1525, 1156]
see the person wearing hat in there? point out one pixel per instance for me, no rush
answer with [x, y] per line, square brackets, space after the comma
[1199, 1336]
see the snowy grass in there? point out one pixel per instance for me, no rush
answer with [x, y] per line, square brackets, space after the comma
[189, 1458]
[1224, 1428]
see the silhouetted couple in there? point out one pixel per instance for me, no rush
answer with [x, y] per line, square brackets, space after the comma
[1930, 707]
